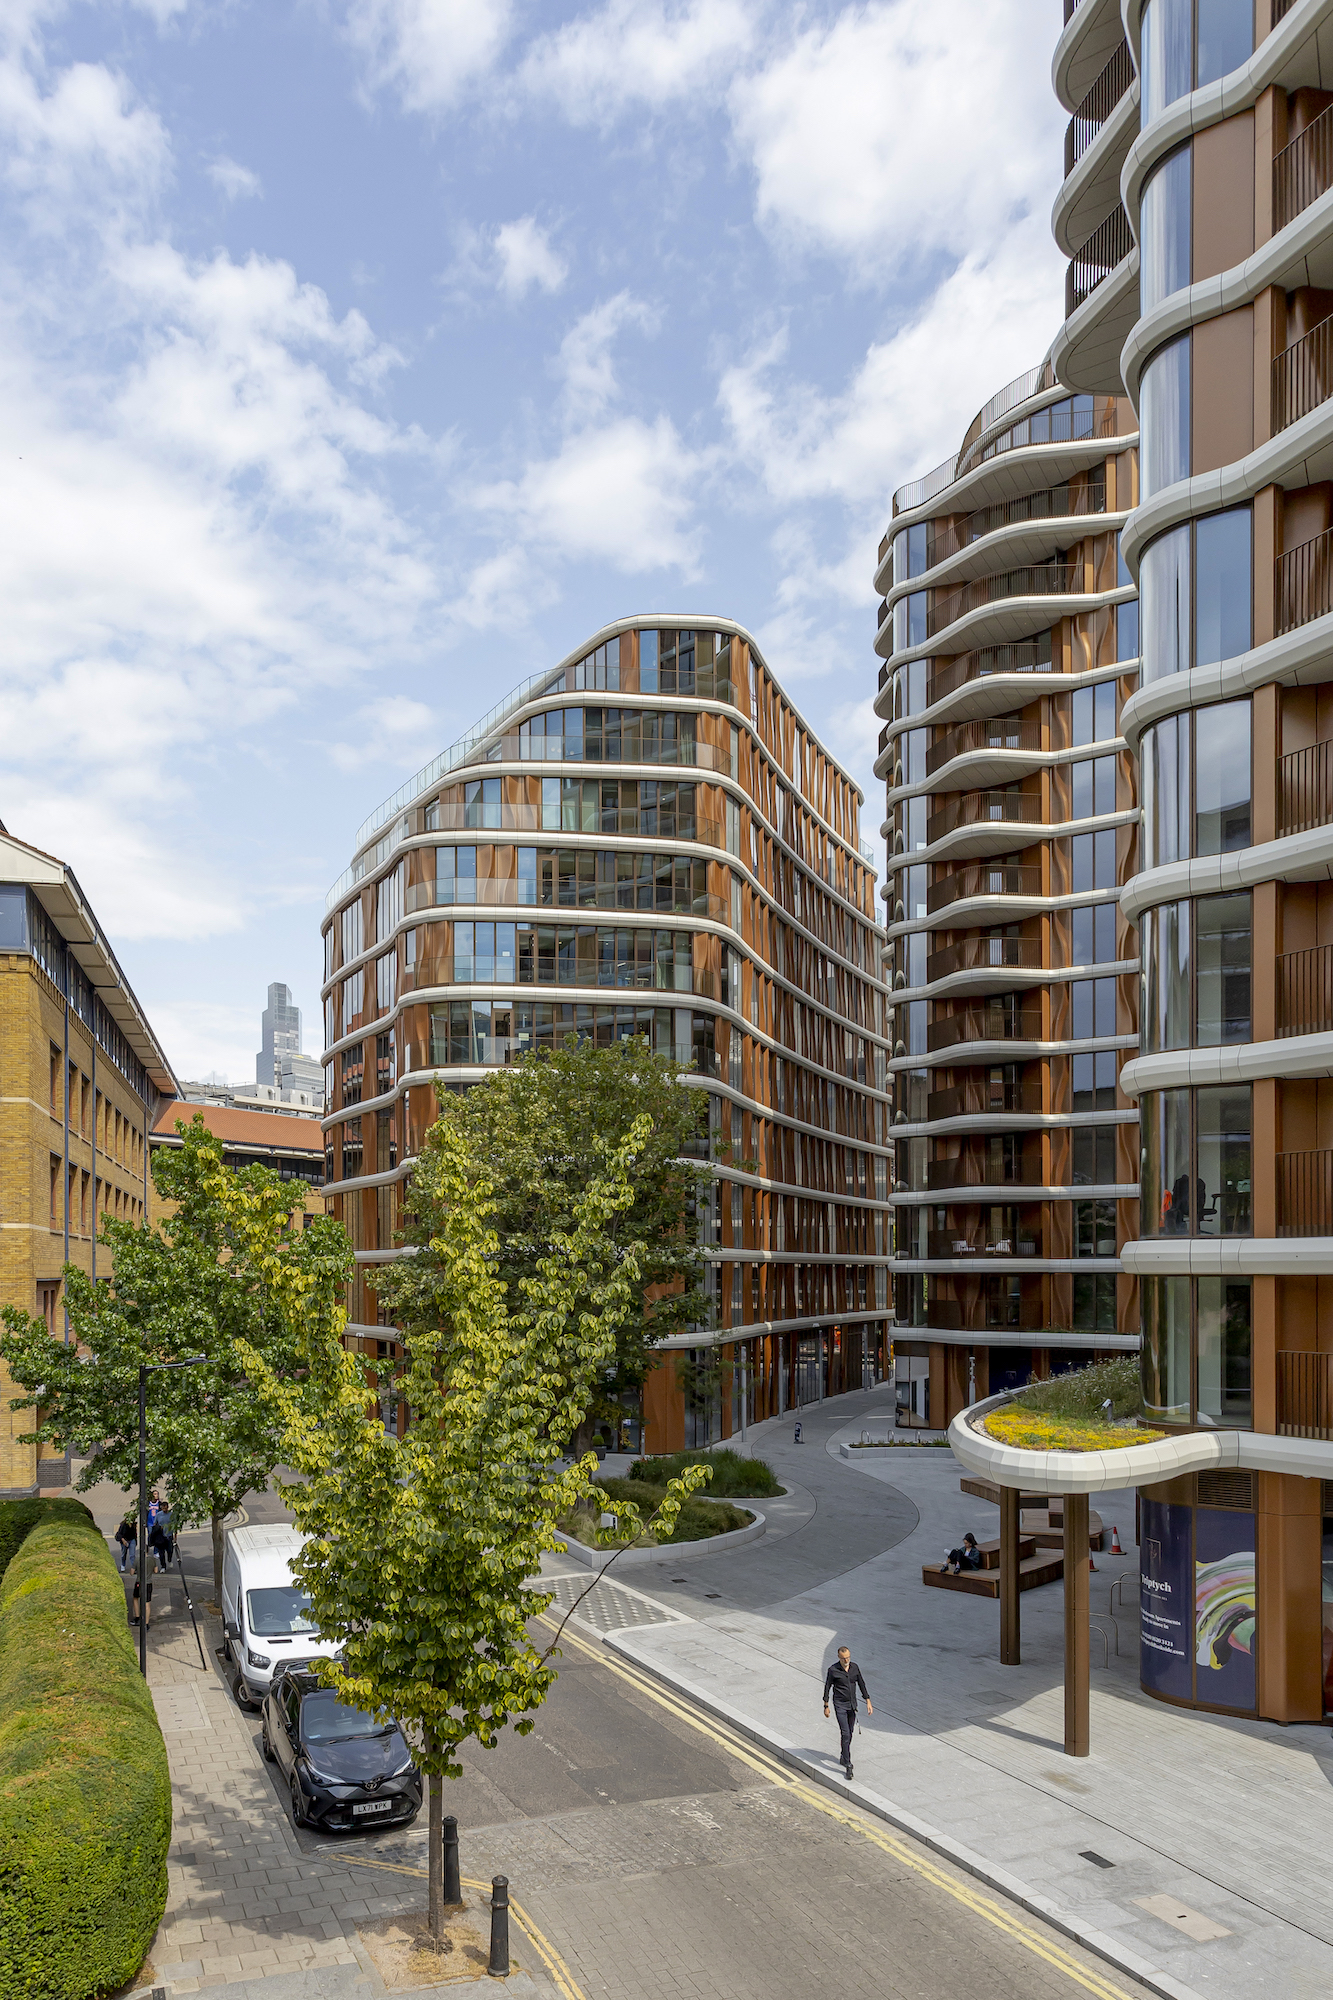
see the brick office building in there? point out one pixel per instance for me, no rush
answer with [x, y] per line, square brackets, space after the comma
[81, 1078]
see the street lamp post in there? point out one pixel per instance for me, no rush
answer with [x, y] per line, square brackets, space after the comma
[145, 1370]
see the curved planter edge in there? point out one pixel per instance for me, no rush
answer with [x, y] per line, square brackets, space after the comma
[594, 1558]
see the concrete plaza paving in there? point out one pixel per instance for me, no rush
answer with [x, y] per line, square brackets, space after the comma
[1229, 1822]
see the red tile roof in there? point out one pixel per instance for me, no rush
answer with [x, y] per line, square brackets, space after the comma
[266, 1129]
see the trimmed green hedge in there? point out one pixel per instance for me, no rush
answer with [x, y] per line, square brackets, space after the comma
[85, 1798]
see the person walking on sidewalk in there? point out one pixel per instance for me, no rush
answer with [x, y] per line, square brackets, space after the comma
[841, 1681]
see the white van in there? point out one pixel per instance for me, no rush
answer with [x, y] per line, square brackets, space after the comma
[265, 1613]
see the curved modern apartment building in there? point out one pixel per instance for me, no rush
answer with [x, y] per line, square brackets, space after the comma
[1217, 320]
[645, 840]
[1008, 633]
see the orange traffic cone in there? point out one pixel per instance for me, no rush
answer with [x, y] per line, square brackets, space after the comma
[1116, 1549]
[1091, 1564]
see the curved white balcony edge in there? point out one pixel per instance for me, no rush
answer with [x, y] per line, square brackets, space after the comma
[1300, 658]
[1228, 1256]
[1245, 1062]
[1137, 1464]
[1296, 857]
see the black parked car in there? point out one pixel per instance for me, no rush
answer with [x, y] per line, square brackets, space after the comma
[344, 1768]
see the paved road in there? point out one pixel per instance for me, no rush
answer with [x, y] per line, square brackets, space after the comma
[661, 1856]
[824, 1525]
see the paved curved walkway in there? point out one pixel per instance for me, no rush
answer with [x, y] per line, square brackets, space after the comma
[824, 1526]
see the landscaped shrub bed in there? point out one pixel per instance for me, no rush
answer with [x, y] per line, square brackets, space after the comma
[697, 1521]
[85, 1799]
[734, 1477]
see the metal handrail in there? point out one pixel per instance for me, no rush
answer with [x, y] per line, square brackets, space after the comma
[1305, 788]
[992, 1024]
[998, 879]
[1057, 579]
[1001, 733]
[1105, 250]
[1304, 580]
[1303, 170]
[1018, 656]
[1302, 376]
[1050, 503]
[1305, 991]
[1097, 106]
[978, 954]
[984, 809]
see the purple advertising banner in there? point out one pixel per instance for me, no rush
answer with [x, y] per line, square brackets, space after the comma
[1224, 1609]
[1166, 1600]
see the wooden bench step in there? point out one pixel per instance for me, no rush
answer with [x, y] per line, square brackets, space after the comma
[1047, 1566]
[990, 1551]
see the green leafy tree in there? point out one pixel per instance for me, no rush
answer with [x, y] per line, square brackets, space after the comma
[225, 1271]
[533, 1133]
[422, 1548]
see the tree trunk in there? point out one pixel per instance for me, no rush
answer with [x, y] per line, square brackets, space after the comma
[435, 1904]
[218, 1517]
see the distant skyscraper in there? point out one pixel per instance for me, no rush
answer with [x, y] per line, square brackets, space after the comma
[280, 1027]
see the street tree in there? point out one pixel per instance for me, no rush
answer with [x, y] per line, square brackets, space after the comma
[532, 1132]
[423, 1549]
[223, 1270]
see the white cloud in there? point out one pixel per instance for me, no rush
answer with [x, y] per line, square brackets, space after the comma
[898, 130]
[429, 51]
[234, 180]
[193, 535]
[208, 1041]
[621, 493]
[585, 353]
[391, 729]
[526, 258]
[638, 51]
[913, 395]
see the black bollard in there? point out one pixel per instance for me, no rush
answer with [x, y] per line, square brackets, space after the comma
[499, 1965]
[453, 1888]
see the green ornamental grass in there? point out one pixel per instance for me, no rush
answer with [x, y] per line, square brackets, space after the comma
[734, 1477]
[85, 1797]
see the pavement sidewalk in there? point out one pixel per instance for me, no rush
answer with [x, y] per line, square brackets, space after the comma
[1224, 1827]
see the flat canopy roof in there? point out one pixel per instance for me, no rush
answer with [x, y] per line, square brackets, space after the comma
[265, 1131]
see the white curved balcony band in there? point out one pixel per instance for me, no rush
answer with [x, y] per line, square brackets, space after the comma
[987, 978]
[1091, 191]
[1298, 857]
[1012, 1049]
[1015, 545]
[1136, 1465]
[981, 838]
[1015, 1192]
[1086, 351]
[1010, 475]
[1293, 1058]
[1230, 1256]
[974, 769]
[1089, 36]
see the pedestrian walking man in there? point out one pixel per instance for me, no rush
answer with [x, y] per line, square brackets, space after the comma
[841, 1681]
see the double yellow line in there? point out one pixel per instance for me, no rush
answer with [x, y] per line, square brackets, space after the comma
[778, 1774]
[565, 1983]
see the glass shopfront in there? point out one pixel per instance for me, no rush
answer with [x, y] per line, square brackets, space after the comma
[1198, 1604]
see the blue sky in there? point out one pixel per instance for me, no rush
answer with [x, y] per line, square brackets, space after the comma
[359, 357]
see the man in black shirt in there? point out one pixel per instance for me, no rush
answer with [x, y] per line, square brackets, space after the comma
[842, 1680]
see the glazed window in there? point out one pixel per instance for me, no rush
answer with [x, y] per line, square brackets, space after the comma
[1126, 615]
[1072, 417]
[455, 874]
[1196, 783]
[1196, 1161]
[1092, 934]
[909, 621]
[1208, 987]
[1185, 44]
[1092, 787]
[1091, 1009]
[1196, 1356]
[1164, 418]
[482, 802]
[911, 552]
[1092, 861]
[1165, 230]
[1196, 597]
[1222, 586]
[1092, 714]
[1093, 1075]
[910, 688]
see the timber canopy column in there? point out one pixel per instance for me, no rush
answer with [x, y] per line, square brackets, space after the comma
[1077, 1648]
[1010, 1500]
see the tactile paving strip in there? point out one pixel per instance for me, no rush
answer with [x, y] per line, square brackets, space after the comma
[608, 1606]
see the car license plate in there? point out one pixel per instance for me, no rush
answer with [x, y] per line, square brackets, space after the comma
[376, 1806]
